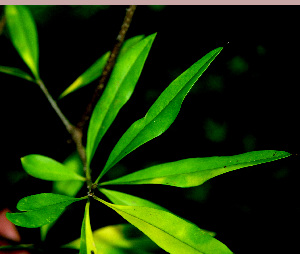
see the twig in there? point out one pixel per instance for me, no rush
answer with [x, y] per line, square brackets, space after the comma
[109, 66]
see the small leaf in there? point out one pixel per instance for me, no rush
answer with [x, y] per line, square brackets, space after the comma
[161, 114]
[118, 90]
[23, 33]
[195, 171]
[120, 198]
[92, 73]
[168, 231]
[45, 168]
[16, 72]
[87, 245]
[41, 209]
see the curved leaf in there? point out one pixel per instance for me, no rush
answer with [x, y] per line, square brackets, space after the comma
[168, 231]
[23, 33]
[16, 72]
[87, 245]
[161, 114]
[41, 209]
[196, 171]
[45, 168]
[117, 92]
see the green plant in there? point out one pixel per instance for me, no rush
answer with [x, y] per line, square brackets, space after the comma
[168, 231]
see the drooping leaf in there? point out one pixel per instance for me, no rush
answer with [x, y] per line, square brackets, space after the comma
[119, 239]
[87, 245]
[118, 90]
[120, 198]
[92, 73]
[195, 171]
[41, 209]
[70, 187]
[23, 33]
[16, 72]
[161, 114]
[168, 231]
[46, 168]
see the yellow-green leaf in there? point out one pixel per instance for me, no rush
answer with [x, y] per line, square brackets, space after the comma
[23, 33]
[87, 245]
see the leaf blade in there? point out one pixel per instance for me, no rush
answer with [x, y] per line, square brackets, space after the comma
[118, 90]
[41, 209]
[16, 72]
[161, 114]
[170, 232]
[45, 168]
[195, 171]
[23, 33]
[87, 245]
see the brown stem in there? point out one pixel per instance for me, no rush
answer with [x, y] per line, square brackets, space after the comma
[109, 66]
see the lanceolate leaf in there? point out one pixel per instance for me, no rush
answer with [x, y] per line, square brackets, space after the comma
[16, 72]
[168, 231]
[88, 76]
[23, 33]
[161, 114]
[41, 209]
[195, 171]
[46, 168]
[87, 245]
[117, 92]
[120, 198]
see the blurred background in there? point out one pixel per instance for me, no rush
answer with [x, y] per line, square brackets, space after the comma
[247, 100]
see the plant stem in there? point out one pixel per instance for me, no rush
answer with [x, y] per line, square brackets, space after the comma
[75, 132]
[109, 66]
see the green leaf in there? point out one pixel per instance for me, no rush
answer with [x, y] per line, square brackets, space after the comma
[41, 209]
[195, 171]
[70, 187]
[161, 114]
[168, 231]
[16, 72]
[23, 33]
[119, 239]
[46, 168]
[87, 245]
[120, 198]
[92, 73]
[117, 92]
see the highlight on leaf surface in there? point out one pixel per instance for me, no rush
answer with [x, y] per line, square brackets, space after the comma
[161, 114]
[41, 209]
[118, 91]
[45, 168]
[23, 34]
[87, 245]
[170, 232]
[195, 171]
[119, 239]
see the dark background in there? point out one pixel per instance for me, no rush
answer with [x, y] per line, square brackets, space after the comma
[246, 100]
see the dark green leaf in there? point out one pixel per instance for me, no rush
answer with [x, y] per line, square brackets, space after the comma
[46, 168]
[118, 90]
[23, 33]
[87, 245]
[161, 114]
[168, 231]
[41, 209]
[195, 171]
